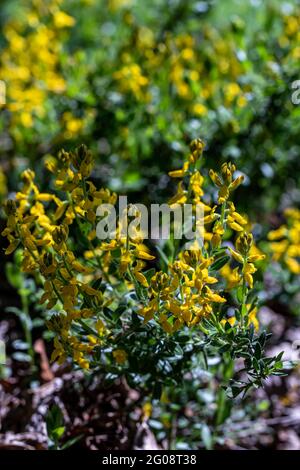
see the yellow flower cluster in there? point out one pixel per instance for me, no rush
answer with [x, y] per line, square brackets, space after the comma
[285, 241]
[131, 79]
[183, 295]
[180, 58]
[40, 223]
[30, 62]
[80, 285]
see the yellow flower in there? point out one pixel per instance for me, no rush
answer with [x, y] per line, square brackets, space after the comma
[200, 109]
[142, 254]
[179, 173]
[252, 318]
[120, 356]
[248, 270]
[285, 240]
[232, 276]
[62, 20]
[138, 275]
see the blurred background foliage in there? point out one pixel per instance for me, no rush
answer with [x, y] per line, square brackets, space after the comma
[136, 81]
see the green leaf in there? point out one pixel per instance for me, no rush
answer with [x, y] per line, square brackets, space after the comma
[55, 423]
[57, 433]
[257, 351]
[239, 294]
[219, 263]
[71, 442]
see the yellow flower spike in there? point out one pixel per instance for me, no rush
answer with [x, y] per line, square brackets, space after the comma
[197, 146]
[83, 363]
[292, 213]
[244, 242]
[215, 240]
[286, 241]
[199, 109]
[110, 246]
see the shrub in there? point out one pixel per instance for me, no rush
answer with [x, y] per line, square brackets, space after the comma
[118, 308]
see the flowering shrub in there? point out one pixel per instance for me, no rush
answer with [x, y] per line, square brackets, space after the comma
[284, 249]
[285, 241]
[122, 309]
[30, 82]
